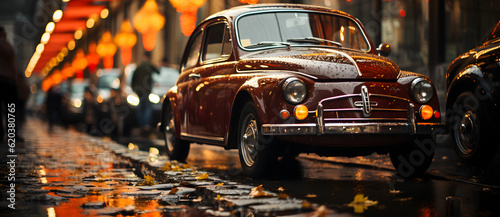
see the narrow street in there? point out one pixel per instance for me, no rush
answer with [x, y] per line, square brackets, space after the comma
[68, 173]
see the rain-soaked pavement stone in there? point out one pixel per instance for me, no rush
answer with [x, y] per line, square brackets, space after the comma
[68, 173]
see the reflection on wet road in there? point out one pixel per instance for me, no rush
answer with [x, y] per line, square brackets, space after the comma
[68, 173]
[336, 181]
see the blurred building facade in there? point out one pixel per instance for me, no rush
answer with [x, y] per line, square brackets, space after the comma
[425, 35]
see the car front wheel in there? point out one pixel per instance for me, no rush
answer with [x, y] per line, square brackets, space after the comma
[472, 137]
[412, 160]
[255, 151]
[176, 148]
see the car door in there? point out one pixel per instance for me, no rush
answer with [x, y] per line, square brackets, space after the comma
[207, 120]
[189, 66]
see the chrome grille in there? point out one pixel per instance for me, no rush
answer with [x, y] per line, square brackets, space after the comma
[367, 106]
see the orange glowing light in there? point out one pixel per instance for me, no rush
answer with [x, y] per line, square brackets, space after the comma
[46, 84]
[188, 23]
[56, 77]
[426, 112]
[79, 63]
[148, 21]
[301, 112]
[67, 70]
[188, 9]
[92, 57]
[125, 40]
[249, 1]
[106, 49]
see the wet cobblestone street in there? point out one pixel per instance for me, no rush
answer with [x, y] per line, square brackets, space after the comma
[68, 173]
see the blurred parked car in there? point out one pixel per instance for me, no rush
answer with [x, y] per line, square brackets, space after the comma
[162, 82]
[280, 79]
[125, 107]
[73, 100]
[105, 92]
[472, 101]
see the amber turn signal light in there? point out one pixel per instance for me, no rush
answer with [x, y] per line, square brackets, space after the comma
[301, 112]
[426, 112]
[284, 114]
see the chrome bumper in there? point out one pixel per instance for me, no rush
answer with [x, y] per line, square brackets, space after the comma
[338, 129]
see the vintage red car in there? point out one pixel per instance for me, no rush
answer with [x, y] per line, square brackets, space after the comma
[277, 79]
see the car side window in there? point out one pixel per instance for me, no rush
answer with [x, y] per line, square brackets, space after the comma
[217, 43]
[194, 51]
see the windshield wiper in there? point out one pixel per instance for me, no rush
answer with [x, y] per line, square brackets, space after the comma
[268, 43]
[314, 40]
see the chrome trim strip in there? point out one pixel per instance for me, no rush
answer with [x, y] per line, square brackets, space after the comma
[411, 117]
[365, 98]
[365, 119]
[275, 70]
[202, 138]
[360, 109]
[320, 120]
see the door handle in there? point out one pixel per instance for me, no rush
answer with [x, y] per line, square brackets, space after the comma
[195, 76]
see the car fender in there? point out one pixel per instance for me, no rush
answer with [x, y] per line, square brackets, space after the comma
[471, 79]
[255, 89]
[171, 99]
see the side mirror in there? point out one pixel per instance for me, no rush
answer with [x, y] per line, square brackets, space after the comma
[384, 50]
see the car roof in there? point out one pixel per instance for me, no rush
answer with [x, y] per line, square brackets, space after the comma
[239, 10]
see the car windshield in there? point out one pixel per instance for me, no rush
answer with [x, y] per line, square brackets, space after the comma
[299, 28]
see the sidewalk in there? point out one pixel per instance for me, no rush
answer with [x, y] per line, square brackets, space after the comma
[68, 173]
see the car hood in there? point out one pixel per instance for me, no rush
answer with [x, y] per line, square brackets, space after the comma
[322, 63]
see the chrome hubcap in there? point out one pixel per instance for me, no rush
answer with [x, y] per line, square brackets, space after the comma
[466, 133]
[249, 140]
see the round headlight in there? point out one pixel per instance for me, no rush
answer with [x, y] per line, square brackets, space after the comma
[294, 90]
[421, 90]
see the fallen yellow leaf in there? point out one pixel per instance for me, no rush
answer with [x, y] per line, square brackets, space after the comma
[100, 177]
[283, 196]
[202, 176]
[167, 167]
[306, 205]
[259, 192]
[321, 211]
[394, 191]
[176, 168]
[360, 203]
[149, 180]
[173, 191]
[220, 184]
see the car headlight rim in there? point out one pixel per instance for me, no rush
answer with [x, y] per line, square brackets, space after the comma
[294, 91]
[422, 90]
